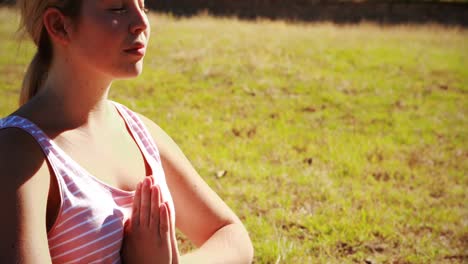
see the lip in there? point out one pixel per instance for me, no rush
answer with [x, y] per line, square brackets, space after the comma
[138, 49]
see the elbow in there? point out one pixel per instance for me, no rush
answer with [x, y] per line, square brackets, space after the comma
[249, 252]
[247, 249]
[237, 240]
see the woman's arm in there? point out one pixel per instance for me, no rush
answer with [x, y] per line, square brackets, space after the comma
[200, 214]
[24, 188]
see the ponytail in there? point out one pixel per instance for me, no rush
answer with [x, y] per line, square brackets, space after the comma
[37, 69]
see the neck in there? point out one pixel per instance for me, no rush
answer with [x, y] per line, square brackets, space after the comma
[77, 98]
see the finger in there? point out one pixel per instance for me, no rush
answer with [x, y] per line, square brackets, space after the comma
[145, 207]
[175, 250]
[152, 179]
[172, 232]
[135, 219]
[160, 196]
[164, 229]
[155, 204]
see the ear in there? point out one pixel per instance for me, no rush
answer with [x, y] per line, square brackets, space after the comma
[57, 26]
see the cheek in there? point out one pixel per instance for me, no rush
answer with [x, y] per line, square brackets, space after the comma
[99, 38]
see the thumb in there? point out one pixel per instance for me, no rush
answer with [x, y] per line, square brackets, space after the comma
[126, 225]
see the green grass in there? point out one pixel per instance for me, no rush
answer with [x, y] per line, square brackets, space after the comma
[341, 143]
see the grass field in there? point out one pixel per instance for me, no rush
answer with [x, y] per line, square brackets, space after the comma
[337, 144]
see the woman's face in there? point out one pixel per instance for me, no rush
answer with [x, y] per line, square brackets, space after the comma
[111, 37]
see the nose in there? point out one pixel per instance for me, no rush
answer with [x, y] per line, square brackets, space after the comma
[139, 23]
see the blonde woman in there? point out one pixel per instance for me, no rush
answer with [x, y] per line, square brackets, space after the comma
[86, 180]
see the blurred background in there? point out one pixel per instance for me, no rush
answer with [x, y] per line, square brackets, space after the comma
[452, 12]
[337, 131]
[338, 11]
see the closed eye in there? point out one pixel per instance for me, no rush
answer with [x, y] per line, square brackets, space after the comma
[120, 10]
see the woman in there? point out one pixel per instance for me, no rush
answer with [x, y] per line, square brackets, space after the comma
[82, 178]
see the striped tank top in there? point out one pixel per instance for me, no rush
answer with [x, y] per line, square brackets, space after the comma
[90, 223]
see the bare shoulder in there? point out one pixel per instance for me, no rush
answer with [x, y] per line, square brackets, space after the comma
[20, 155]
[163, 140]
[149, 123]
[170, 152]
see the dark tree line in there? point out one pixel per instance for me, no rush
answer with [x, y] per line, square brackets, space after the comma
[448, 12]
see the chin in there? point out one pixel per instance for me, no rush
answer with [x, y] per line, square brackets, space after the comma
[131, 72]
[131, 75]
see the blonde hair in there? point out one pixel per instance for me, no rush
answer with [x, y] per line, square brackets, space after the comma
[32, 24]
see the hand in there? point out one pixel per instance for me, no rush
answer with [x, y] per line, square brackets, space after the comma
[149, 235]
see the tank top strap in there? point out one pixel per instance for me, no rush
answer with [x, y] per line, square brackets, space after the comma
[24, 124]
[140, 132]
[53, 153]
